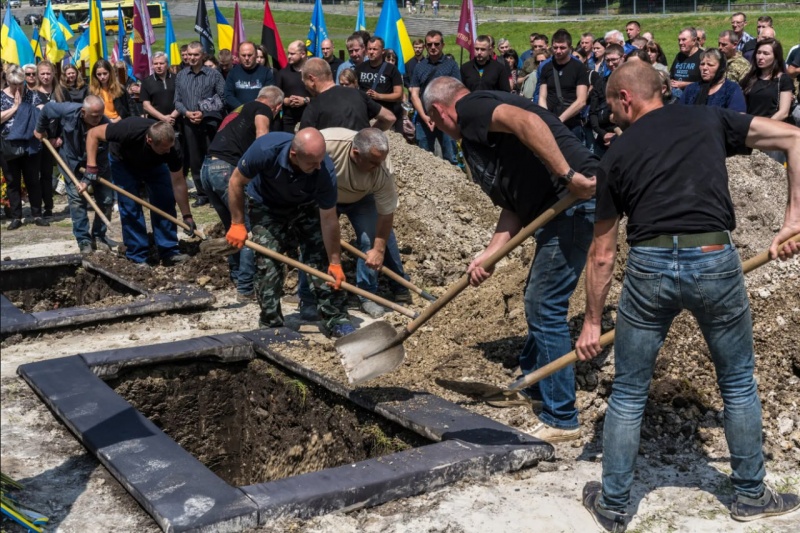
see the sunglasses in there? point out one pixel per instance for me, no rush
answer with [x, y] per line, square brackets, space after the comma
[28, 74]
[431, 45]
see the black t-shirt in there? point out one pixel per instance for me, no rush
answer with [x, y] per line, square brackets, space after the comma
[507, 170]
[764, 97]
[232, 141]
[128, 143]
[340, 107]
[571, 75]
[389, 79]
[490, 77]
[686, 68]
[160, 93]
[290, 81]
[676, 186]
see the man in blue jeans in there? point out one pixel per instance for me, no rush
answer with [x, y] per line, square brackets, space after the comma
[142, 152]
[368, 197]
[525, 159]
[236, 133]
[680, 216]
[66, 124]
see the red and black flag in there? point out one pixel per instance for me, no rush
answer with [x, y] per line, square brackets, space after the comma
[203, 28]
[272, 40]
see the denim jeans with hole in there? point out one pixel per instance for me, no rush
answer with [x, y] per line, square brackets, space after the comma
[215, 176]
[363, 215]
[561, 248]
[659, 283]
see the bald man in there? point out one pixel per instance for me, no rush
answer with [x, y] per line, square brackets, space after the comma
[680, 218]
[290, 81]
[289, 184]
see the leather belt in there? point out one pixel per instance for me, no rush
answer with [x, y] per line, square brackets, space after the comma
[695, 240]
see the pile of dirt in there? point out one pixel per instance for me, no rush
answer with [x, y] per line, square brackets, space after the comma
[85, 289]
[252, 423]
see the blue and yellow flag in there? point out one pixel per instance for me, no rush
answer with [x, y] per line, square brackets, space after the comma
[393, 31]
[171, 45]
[35, 44]
[361, 20]
[224, 30]
[15, 48]
[64, 25]
[53, 36]
[317, 31]
[81, 49]
[98, 48]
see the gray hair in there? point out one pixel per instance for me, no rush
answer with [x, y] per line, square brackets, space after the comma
[29, 65]
[691, 30]
[501, 42]
[370, 139]
[93, 101]
[442, 90]
[160, 54]
[271, 94]
[615, 34]
[15, 75]
[731, 36]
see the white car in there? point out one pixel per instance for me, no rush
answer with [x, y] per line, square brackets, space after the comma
[14, 3]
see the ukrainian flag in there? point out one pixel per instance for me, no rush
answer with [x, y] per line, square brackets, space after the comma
[64, 25]
[53, 36]
[173, 50]
[81, 49]
[393, 31]
[98, 48]
[224, 30]
[361, 20]
[15, 48]
[37, 47]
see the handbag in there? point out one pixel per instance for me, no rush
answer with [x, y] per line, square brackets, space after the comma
[13, 149]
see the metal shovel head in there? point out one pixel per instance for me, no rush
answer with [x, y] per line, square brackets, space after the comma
[370, 352]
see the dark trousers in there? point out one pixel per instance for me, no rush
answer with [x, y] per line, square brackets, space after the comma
[197, 137]
[27, 168]
[46, 162]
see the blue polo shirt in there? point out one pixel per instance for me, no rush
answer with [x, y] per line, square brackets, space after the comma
[276, 183]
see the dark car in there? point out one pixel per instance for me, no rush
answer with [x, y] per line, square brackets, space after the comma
[32, 18]
[35, 3]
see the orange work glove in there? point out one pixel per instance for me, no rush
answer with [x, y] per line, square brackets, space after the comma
[237, 235]
[338, 275]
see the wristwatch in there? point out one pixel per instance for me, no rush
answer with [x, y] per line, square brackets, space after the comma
[566, 179]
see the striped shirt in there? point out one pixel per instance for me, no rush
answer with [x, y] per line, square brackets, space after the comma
[191, 88]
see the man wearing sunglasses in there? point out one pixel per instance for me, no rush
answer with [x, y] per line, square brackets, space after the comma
[427, 70]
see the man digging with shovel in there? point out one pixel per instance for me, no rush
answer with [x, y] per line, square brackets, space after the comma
[525, 160]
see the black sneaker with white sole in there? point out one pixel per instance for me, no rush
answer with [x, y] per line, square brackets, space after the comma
[605, 518]
[770, 503]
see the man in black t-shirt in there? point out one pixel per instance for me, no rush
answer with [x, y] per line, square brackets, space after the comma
[158, 91]
[565, 84]
[142, 151]
[334, 106]
[686, 66]
[481, 73]
[249, 122]
[290, 81]
[525, 159]
[381, 81]
[680, 215]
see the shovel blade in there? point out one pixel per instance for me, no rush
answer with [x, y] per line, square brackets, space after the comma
[370, 352]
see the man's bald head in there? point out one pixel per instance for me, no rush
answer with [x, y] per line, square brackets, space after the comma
[766, 33]
[317, 67]
[638, 78]
[308, 149]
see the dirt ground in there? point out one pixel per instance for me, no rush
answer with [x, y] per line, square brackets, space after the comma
[443, 221]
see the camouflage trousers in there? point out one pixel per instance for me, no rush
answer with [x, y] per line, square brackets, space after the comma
[282, 230]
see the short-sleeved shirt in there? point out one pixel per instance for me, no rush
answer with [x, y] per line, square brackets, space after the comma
[570, 76]
[426, 71]
[159, 92]
[128, 143]
[389, 79]
[340, 107]
[277, 184]
[290, 81]
[764, 97]
[677, 190]
[489, 77]
[686, 68]
[236, 136]
[353, 185]
[507, 170]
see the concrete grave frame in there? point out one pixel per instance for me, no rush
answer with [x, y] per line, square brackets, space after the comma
[21, 273]
[181, 494]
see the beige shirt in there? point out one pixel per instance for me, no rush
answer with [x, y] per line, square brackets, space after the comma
[353, 185]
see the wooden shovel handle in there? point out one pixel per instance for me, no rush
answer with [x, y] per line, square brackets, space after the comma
[71, 176]
[318, 273]
[456, 288]
[608, 337]
[384, 270]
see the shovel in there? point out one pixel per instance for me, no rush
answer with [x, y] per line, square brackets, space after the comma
[605, 339]
[378, 348]
[86, 196]
[221, 246]
[394, 275]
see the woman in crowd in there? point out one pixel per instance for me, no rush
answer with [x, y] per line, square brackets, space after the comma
[767, 87]
[261, 55]
[512, 61]
[14, 101]
[73, 84]
[714, 89]
[104, 84]
[666, 89]
[599, 51]
[654, 52]
[49, 91]
[31, 80]
[348, 79]
[390, 56]
[211, 61]
[132, 86]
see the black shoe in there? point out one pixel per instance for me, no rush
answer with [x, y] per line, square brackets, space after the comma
[15, 224]
[47, 213]
[39, 221]
[202, 200]
[770, 503]
[605, 518]
[403, 297]
[85, 248]
[104, 244]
